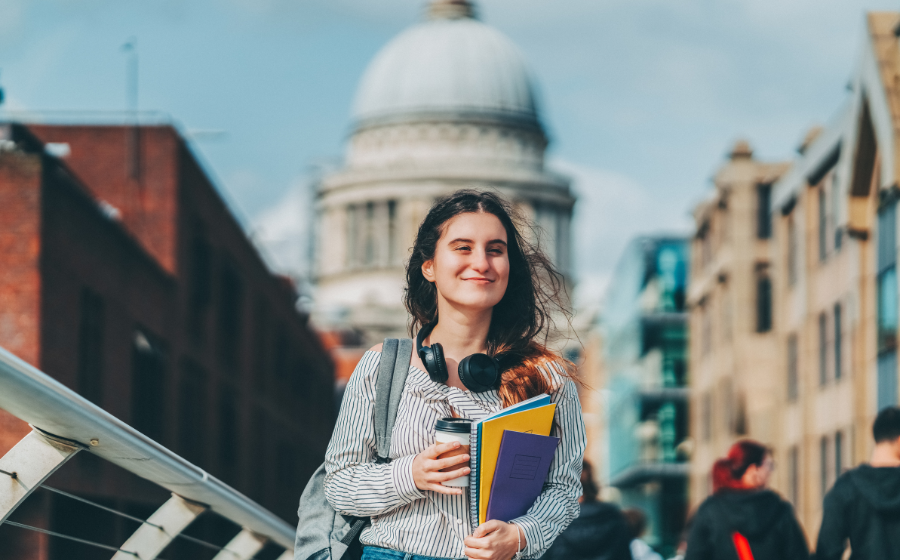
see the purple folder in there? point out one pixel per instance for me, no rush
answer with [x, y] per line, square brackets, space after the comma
[522, 467]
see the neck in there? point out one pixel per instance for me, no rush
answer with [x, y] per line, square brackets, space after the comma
[885, 455]
[462, 332]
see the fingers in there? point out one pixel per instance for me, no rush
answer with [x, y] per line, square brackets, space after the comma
[445, 476]
[440, 448]
[441, 464]
[477, 553]
[441, 489]
[487, 528]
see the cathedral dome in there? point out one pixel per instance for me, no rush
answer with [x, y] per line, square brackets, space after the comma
[452, 66]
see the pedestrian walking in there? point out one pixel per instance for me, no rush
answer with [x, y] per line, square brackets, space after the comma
[863, 506]
[637, 526]
[600, 531]
[743, 520]
[482, 298]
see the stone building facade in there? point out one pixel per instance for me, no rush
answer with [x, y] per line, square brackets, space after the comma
[447, 104]
[812, 384]
[733, 347]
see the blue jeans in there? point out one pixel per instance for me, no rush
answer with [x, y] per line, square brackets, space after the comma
[378, 553]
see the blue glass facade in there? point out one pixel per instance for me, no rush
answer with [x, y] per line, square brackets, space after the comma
[887, 304]
[645, 340]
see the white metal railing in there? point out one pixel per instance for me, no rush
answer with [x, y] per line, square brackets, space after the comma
[64, 423]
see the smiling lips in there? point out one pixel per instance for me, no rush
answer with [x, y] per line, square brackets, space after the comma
[479, 280]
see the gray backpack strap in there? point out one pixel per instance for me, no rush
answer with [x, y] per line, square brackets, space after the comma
[392, 372]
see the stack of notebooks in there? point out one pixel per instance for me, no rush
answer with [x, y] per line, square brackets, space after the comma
[511, 452]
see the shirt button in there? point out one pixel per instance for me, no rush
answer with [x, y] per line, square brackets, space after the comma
[459, 521]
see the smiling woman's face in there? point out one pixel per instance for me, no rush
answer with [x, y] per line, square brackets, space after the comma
[471, 264]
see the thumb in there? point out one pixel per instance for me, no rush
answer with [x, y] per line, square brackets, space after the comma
[486, 528]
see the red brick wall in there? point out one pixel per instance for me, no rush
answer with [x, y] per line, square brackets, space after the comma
[20, 282]
[101, 157]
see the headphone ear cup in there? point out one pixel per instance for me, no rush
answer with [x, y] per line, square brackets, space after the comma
[479, 373]
[439, 371]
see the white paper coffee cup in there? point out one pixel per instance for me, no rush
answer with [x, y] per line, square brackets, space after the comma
[448, 430]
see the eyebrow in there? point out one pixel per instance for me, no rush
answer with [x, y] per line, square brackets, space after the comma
[470, 241]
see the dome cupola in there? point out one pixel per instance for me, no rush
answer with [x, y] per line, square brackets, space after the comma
[449, 66]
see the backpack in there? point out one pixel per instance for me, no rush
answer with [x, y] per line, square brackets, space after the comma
[322, 533]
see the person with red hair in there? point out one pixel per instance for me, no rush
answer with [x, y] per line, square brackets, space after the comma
[743, 519]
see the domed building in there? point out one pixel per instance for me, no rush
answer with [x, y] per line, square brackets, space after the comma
[447, 104]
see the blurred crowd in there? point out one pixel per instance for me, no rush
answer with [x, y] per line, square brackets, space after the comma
[746, 520]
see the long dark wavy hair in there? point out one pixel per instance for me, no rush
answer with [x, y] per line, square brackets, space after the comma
[522, 320]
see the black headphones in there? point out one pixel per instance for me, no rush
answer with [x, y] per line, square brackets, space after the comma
[478, 372]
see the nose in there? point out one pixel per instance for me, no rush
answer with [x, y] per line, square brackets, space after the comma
[480, 262]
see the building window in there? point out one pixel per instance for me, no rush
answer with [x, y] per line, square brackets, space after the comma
[824, 462]
[727, 316]
[369, 241]
[838, 342]
[706, 411]
[192, 413]
[260, 345]
[228, 435]
[706, 338]
[763, 303]
[838, 454]
[792, 249]
[793, 381]
[353, 236]
[823, 349]
[199, 287]
[835, 218]
[823, 225]
[887, 304]
[90, 346]
[148, 390]
[763, 215]
[282, 359]
[392, 240]
[794, 475]
[231, 299]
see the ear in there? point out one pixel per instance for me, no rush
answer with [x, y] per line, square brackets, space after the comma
[428, 270]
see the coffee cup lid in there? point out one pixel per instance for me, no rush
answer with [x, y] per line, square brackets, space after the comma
[454, 425]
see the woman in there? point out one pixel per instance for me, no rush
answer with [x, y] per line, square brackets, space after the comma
[474, 285]
[743, 519]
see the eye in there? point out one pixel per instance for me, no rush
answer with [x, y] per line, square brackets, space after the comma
[463, 248]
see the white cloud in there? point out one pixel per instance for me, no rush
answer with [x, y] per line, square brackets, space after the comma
[612, 209]
[282, 232]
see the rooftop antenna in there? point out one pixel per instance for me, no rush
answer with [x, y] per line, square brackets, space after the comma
[131, 92]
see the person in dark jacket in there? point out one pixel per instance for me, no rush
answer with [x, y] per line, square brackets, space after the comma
[863, 506]
[598, 533]
[743, 519]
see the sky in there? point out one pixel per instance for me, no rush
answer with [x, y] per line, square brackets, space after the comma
[642, 98]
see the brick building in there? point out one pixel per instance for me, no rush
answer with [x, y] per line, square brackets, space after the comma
[127, 279]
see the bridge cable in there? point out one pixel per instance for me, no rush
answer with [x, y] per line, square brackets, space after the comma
[132, 518]
[68, 537]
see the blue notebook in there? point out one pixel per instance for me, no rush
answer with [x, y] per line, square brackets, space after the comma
[522, 468]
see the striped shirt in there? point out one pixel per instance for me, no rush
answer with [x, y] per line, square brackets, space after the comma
[428, 523]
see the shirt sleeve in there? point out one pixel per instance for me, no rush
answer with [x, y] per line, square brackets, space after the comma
[557, 505]
[354, 484]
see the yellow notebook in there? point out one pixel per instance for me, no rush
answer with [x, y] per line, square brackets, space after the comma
[535, 421]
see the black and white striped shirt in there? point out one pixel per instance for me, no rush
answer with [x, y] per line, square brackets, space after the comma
[427, 523]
